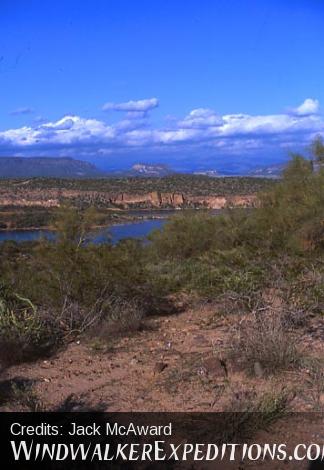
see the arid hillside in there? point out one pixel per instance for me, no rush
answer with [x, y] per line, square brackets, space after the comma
[47, 198]
[181, 191]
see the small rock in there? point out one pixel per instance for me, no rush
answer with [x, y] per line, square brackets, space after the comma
[202, 371]
[215, 367]
[200, 340]
[159, 367]
[258, 370]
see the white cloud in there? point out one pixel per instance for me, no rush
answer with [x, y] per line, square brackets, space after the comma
[200, 118]
[202, 128]
[211, 124]
[308, 107]
[66, 131]
[133, 106]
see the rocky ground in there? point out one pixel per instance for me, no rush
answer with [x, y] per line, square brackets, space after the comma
[174, 363]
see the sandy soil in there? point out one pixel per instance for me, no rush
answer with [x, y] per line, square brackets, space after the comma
[175, 363]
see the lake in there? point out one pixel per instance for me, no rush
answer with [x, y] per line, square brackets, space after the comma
[118, 232]
[139, 229]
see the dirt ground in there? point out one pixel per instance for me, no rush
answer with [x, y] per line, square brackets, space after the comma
[174, 363]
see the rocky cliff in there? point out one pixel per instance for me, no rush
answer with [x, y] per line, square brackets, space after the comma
[151, 200]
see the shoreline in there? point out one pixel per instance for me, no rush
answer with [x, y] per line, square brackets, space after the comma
[95, 227]
[119, 220]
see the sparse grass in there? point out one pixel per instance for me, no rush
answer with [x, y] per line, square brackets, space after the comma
[314, 393]
[19, 393]
[263, 342]
[121, 317]
[249, 410]
[78, 404]
[26, 399]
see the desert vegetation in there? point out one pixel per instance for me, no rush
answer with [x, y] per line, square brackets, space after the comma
[260, 270]
[198, 185]
[32, 203]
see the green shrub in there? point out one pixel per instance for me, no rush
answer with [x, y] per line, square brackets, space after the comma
[231, 258]
[24, 333]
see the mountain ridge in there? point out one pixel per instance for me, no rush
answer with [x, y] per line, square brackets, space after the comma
[68, 167]
[59, 167]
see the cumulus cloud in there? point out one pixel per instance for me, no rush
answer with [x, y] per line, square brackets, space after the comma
[309, 106]
[133, 106]
[69, 130]
[202, 129]
[200, 118]
[22, 110]
[212, 124]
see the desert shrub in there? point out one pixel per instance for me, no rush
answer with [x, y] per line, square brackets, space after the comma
[192, 234]
[272, 403]
[217, 275]
[305, 291]
[250, 410]
[185, 236]
[24, 333]
[74, 271]
[292, 211]
[263, 341]
[182, 183]
[289, 218]
[120, 316]
[233, 258]
[314, 393]
[18, 394]
[236, 255]
[26, 399]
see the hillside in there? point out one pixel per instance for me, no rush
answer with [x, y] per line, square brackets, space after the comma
[193, 185]
[141, 169]
[30, 202]
[273, 171]
[19, 167]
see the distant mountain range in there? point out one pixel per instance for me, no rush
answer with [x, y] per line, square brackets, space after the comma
[144, 170]
[274, 171]
[21, 167]
[211, 173]
[64, 167]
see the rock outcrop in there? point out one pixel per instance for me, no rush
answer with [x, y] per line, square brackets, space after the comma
[151, 200]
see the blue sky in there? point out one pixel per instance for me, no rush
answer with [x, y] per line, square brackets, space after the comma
[223, 84]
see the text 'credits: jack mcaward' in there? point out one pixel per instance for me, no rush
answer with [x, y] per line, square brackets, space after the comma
[93, 429]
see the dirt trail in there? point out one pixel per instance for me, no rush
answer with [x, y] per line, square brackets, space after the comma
[170, 365]
[175, 363]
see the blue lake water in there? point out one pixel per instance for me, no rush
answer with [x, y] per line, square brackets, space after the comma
[116, 232]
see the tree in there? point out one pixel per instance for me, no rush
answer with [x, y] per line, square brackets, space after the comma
[298, 170]
[317, 149]
[73, 226]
